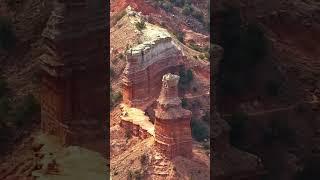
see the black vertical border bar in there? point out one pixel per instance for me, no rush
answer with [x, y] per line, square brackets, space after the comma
[212, 82]
[107, 59]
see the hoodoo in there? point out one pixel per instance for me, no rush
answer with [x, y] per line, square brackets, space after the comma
[172, 125]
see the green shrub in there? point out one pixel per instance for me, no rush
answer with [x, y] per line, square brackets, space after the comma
[185, 79]
[187, 9]
[7, 35]
[198, 15]
[206, 117]
[201, 56]
[116, 97]
[194, 46]
[121, 56]
[26, 110]
[184, 103]
[207, 55]
[167, 6]
[179, 3]
[199, 130]
[180, 36]
[140, 25]
[188, 2]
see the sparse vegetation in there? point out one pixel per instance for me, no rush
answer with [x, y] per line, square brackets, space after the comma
[115, 98]
[207, 55]
[187, 9]
[199, 130]
[185, 79]
[121, 56]
[206, 117]
[180, 36]
[184, 103]
[201, 56]
[195, 47]
[179, 3]
[167, 6]
[197, 14]
[140, 25]
[7, 35]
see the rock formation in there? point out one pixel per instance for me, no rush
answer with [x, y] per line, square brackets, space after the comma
[136, 122]
[147, 63]
[172, 124]
[73, 97]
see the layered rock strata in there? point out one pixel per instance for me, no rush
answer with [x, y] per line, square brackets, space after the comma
[136, 122]
[73, 97]
[172, 124]
[147, 63]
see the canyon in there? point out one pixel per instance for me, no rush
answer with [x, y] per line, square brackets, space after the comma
[153, 125]
[71, 91]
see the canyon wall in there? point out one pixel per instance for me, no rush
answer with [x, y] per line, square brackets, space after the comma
[147, 63]
[73, 97]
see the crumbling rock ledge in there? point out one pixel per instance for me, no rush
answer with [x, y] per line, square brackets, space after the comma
[136, 122]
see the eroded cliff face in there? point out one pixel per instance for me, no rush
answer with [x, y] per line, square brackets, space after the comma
[165, 145]
[72, 68]
[146, 64]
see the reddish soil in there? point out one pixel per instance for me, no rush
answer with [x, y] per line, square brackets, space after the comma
[139, 5]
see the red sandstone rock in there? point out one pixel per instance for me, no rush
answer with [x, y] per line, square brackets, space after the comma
[147, 63]
[172, 125]
[73, 97]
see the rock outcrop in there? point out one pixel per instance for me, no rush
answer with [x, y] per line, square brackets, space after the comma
[172, 124]
[147, 63]
[73, 98]
[136, 122]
